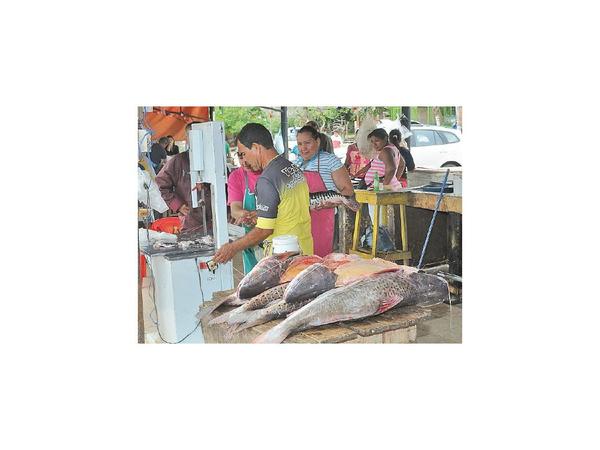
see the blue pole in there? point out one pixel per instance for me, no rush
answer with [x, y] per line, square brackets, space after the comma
[437, 206]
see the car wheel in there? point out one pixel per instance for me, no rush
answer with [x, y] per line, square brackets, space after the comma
[451, 164]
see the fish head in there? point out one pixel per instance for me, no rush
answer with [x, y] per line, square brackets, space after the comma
[351, 203]
[431, 289]
[263, 276]
[311, 282]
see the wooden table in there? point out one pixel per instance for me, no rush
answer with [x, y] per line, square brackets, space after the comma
[395, 326]
[449, 203]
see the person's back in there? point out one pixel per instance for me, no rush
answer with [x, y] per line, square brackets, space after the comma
[284, 205]
[176, 189]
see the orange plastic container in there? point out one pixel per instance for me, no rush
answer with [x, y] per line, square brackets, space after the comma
[166, 225]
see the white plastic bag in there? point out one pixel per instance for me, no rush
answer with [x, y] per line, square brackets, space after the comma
[148, 192]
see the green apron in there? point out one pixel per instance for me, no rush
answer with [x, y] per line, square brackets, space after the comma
[249, 204]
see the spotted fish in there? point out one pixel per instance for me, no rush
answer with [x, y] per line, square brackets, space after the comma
[266, 274]
[366, 297]
[263, 299]
[331, 199]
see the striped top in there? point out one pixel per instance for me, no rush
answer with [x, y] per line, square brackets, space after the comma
[378, 166]
[324, 163]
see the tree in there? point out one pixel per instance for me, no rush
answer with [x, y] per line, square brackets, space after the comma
[235, 118]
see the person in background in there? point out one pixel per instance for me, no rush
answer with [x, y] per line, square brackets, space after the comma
[326, 142]
[401, 145]
[336, 139]
[356, 164]
[241, 186]
[175, 187]
[158, 154]
[172, 148]
[387, 162]
[282, 201]
[323, 171]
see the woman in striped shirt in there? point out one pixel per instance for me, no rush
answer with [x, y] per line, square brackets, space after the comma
[323, 171]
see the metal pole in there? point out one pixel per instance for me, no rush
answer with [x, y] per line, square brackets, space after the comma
[437, 206]
[284, 130]
[406, 112]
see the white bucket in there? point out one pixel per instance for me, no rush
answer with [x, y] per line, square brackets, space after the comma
[285, 243]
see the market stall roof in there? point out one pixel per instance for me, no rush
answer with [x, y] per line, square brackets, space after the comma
[171, 120]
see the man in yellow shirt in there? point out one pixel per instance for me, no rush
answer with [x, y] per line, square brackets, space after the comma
[282, 201]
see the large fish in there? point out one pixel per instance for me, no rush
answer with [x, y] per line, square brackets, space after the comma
[266, 274]
[366, 297]
[309, 283]
[262, 300]
[336, 269]
[331, 199]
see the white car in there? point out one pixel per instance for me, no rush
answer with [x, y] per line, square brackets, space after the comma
[434, 147]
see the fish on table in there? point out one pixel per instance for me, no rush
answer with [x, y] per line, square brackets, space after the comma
[365, 297]
[332, 199]
[262, 300]
[266, 274]
[277, 310]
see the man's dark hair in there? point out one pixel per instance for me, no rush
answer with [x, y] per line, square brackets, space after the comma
[379, 133]
[163, 141]
[255, 133]
[308, 129]
[169, 136]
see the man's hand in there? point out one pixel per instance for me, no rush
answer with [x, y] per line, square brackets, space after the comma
[247, 218]
[184, 209]
[225, 253]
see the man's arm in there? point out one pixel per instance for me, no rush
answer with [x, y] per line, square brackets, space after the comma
[242, 215]
[253, 238]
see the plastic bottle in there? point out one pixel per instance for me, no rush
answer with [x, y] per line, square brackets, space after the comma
[376, 182]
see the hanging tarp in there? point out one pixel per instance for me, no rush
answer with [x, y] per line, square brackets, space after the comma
[171, 120]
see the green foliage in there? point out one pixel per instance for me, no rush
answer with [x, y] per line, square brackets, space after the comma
[328, 117]
[235, 118]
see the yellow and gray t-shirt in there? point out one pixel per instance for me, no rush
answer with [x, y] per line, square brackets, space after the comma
[282, 202]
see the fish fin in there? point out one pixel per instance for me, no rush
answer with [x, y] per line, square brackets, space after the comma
[230, 332]
[387, 303]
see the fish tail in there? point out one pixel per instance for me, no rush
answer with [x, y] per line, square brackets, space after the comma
[254, 320]
[275, 335]
[207, 310]
[221, 319]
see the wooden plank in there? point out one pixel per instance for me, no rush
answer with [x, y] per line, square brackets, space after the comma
[389, 256]
[368, 330]
[400, 336]
[394, 319]
[374, 339]
[425, 200]
[329, 334]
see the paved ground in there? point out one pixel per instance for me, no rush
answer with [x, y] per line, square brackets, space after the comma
[445, 326]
